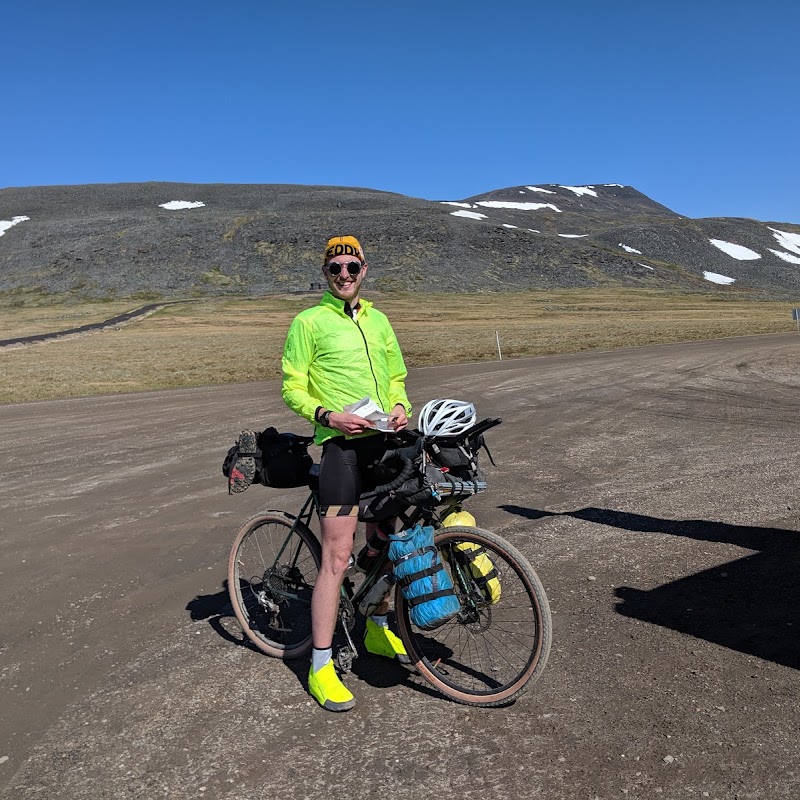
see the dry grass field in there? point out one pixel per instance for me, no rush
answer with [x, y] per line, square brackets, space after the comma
[224, 340]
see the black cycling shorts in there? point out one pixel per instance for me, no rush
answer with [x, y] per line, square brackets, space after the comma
[346, 471]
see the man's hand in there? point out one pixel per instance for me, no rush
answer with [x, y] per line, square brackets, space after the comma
[398, 419]
[351, 424]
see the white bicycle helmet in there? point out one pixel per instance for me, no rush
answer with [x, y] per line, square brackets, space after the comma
[446, 417]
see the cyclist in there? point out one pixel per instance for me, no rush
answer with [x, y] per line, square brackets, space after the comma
[337, 353]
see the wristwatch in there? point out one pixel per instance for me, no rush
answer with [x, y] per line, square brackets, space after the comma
[323, 417]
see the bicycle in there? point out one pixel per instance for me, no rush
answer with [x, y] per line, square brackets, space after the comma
[492, 651]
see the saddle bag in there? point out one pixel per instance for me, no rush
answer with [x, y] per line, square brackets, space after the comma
[281, 460]
[424, 581]
[285, 460]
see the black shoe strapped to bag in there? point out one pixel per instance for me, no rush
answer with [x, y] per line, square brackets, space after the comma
[280, 460]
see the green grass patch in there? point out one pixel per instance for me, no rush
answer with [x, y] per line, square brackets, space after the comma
[227, 339]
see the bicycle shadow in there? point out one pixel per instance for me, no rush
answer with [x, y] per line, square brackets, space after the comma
[380, 673]
[216, 608]
[750, 604]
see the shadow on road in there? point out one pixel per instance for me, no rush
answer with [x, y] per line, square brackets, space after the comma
[750, 604]
[216, 608]
[378, 672]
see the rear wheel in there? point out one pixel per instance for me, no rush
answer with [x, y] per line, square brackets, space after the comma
[272, 570]
[497, 646]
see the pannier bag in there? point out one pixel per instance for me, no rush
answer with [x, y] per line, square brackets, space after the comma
[424, 581]
[474, 558]
[280, 460]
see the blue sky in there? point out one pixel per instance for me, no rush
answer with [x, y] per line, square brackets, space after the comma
[693, 103]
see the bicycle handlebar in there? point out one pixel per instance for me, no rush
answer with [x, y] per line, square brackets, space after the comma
[406, 455]
[396, 483]
[475, 430]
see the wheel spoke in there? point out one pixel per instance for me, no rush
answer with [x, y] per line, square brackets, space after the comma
[272, 572]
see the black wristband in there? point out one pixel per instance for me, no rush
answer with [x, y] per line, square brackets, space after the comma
[325, 418]
[316, 413]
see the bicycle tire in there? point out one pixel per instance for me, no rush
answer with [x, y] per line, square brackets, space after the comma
[494, 649]
[271, 593]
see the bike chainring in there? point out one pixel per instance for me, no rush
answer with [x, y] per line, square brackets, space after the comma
[347, 613]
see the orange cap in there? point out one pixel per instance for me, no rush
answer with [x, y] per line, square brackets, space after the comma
[343, 246]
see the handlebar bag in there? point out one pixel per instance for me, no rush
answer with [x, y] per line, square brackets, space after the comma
[459, 459]
[425, 583]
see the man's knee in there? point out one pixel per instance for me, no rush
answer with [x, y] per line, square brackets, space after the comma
[337, 541]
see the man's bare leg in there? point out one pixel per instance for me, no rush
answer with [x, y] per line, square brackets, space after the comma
[337, 546]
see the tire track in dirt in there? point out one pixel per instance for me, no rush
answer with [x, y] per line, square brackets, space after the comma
[94, 327]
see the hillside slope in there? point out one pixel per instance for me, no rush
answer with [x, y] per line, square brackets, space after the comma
[177, 240]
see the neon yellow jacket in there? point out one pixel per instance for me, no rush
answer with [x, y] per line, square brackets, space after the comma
[332, 360]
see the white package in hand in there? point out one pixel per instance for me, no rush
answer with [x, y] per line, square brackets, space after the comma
[367, 408]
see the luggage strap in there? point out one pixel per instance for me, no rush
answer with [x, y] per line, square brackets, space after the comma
[469, 556]
[415, 554]
[423, 573]
[415, 601]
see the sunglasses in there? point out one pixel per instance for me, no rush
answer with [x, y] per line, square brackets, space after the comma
[353, 267]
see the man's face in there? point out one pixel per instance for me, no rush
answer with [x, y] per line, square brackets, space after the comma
[344, 285]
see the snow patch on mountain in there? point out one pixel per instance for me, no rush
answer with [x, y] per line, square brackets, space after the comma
[736, 251]
[788, 241]
[177, 205]
[539, 189]
[715, 277]
[5, 224]
[581, 190]
[468, 214]
[518, 206]
[629, 249]
[785, 256]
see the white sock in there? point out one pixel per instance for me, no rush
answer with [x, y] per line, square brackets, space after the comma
[319, 658]
[380, 619]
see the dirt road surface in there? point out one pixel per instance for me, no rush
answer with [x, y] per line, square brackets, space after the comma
[654, 490]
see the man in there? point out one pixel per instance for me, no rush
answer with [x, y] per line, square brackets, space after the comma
[337, 353]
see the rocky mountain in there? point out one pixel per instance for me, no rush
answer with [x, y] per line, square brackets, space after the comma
[184, 240]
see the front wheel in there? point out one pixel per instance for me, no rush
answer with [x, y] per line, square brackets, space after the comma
[272, 570]
[497, 645]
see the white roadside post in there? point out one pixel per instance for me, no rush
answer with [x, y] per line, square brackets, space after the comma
[499, 354]
[796, 317]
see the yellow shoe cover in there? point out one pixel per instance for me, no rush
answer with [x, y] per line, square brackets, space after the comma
[381, 641]
[326, 688]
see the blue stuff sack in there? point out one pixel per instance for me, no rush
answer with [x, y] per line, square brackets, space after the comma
[426, 585]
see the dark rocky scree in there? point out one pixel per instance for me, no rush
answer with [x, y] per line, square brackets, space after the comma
[114, 240]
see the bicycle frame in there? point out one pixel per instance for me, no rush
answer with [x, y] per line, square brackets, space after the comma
[408, 518]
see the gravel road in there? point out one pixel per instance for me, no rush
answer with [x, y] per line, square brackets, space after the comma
[653, 489]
